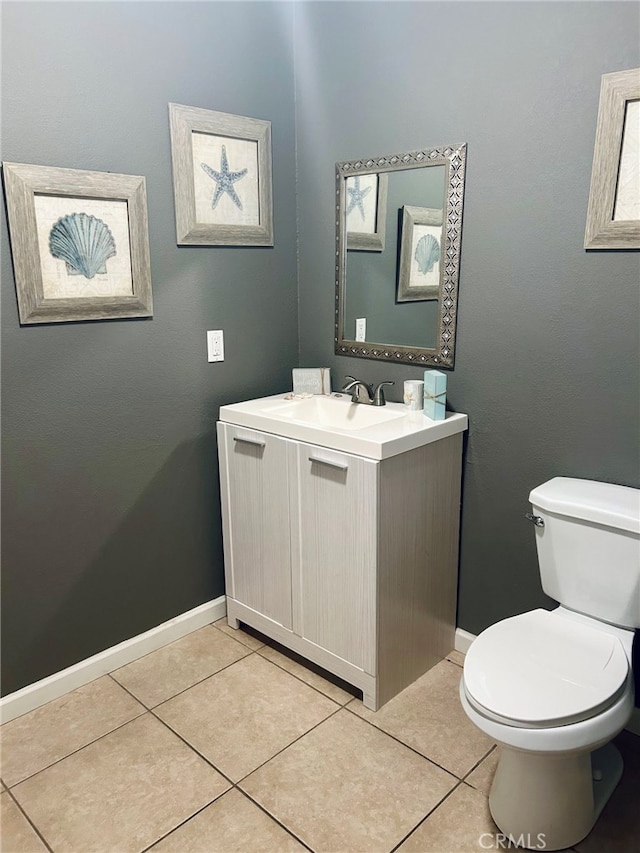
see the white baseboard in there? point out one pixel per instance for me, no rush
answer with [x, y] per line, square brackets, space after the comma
[463, 640]
[41, 692]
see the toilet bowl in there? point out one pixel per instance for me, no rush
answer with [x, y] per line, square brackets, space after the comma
[552, 688]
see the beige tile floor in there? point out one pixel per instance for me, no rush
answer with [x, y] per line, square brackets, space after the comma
[221, 742]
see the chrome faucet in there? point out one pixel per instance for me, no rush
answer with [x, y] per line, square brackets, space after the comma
[375, 396]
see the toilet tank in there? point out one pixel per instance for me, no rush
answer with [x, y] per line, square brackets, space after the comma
[589, 547]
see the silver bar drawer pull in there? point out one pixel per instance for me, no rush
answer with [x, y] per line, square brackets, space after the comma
[259, 442]
[342, 466]
[538, 520]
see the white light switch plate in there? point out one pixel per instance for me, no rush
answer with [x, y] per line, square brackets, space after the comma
[361, 329]
[215, 345]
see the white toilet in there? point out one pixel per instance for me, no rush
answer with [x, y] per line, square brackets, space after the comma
[553, 687]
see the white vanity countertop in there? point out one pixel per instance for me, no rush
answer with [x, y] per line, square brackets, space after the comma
[337, 423]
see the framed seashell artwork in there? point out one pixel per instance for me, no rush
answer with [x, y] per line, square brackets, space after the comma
[221, 178]
[80, 244]
[419, 268]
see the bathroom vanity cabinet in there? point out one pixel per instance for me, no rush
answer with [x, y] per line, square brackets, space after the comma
[347, 560]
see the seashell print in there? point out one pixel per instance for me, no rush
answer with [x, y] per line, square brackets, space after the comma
[427, 253]
[83, 242]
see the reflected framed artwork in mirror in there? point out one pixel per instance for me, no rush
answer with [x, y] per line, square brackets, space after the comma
[407, 290]
[366, 212]
[420, 254]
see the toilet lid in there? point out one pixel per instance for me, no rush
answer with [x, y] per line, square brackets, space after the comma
[540, 669]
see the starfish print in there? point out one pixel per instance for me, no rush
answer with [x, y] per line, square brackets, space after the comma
[224, 180]
[356, 196]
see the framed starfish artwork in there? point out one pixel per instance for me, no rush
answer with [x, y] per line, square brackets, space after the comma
[221, 178]
[80, 244]
[366, 212]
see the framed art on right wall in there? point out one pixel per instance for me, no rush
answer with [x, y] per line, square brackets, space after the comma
[613, 216]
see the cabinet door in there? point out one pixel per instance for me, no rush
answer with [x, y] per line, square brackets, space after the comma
[256, 520]
[334, 553]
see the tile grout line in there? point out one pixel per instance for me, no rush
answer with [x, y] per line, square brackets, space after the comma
[272, 644]
[235, 785]
[184, 690]
[200, 755]
[84, 746]
[273, 817]
[153, 709]
[182, 823]
[477, 764]
[222, 669]
[280, 751]
[205, 807]
[317, 689]
[428, 815]
[412, 748]
[29, 820]
[458, 781]
[459, 784]
[214, 766]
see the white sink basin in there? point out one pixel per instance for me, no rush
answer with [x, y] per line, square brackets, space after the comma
[337, 411]
[335, 422]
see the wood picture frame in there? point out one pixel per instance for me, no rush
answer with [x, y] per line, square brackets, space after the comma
[366, 207]
[419, 269]
[616, 165]
[221, 178]
[80, 244]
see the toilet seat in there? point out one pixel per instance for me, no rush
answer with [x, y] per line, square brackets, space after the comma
[540, 670]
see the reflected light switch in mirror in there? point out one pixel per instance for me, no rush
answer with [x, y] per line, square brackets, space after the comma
[361, 329]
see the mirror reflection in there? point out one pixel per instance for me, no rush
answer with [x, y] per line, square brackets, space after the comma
[371, 278]
[398, 240]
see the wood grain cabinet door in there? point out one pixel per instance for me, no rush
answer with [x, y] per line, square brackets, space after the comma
[334, 552]
[254, 477]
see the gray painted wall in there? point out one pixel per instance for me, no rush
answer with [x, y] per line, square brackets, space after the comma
[111, 518]
[110, 498]
[547, 359]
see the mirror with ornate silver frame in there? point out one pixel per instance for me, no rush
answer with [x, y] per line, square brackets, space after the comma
[406, 324]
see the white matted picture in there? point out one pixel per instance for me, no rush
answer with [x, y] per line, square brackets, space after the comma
[83, 246]
[221, 178]
[627, 206]
[419, 271]
[80, 243]
[225, 180]
[366, 211]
